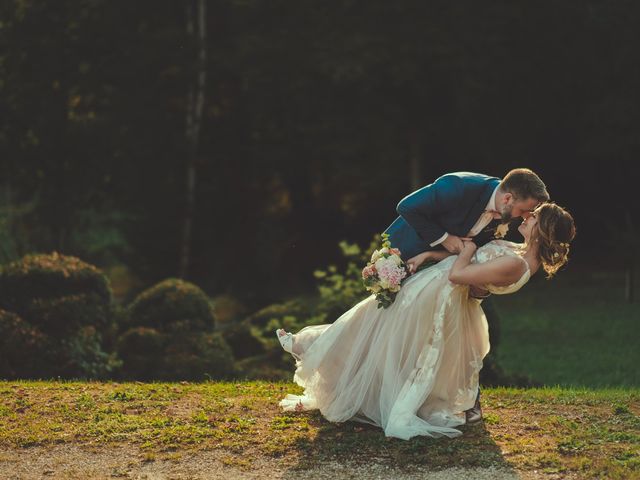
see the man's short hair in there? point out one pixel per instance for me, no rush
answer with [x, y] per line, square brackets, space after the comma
[522, 183]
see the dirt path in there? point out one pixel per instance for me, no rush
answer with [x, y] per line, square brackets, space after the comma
[76, 462]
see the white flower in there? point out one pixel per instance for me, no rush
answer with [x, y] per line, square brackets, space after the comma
[396, 259]
[501, 230]
[384, 263]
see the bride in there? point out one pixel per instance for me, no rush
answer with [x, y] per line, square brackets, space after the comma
[412, 369]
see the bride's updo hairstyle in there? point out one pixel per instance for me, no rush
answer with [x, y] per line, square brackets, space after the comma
[553, 233]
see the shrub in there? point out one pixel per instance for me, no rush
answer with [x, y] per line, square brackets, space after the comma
[56, 293]
[227, 309]
[49, 276]
[141, 348]
[339, 291]
[21, 345]
[198, 357]
[65, 303]
[170, 336]
[82, 352]
[172, 305]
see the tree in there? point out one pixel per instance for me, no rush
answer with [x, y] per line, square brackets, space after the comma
[196, 29]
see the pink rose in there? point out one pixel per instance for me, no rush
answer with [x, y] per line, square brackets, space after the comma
[368, 271]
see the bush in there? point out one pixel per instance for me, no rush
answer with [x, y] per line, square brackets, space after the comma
[83, 352]
[56, 293]
[66, 304]
[198, 357]
[254, 342]
[172, 305]
[21, 345]
[227, 310]
[53, 275]
[141, 348]
[170, 336]
[341, 291]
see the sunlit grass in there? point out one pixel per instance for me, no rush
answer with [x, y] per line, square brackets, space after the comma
[554, 430]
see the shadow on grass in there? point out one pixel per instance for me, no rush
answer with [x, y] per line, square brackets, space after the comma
[361, 444]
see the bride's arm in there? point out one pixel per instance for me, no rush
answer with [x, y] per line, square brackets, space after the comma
[414, 262]
[500, 271]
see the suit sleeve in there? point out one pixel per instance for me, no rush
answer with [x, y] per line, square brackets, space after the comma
[422, 208]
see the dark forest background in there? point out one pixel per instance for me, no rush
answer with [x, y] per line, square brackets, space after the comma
[316, 119]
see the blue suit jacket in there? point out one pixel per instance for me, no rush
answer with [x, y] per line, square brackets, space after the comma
[453, 204]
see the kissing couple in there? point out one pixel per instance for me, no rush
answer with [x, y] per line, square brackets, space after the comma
[413, 368]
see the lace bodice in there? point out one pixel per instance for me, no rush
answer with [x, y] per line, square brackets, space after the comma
[499, 248]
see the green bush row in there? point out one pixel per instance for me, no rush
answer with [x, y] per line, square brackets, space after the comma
[58, 319]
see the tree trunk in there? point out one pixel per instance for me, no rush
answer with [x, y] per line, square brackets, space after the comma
[195, 105]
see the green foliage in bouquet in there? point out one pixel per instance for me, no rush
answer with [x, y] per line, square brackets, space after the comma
[385, 295]
[67, 304]
[385, 298]
[170, 336]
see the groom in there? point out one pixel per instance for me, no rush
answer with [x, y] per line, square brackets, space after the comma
[459, 206]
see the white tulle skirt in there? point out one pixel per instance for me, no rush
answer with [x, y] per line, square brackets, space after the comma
[411, 369]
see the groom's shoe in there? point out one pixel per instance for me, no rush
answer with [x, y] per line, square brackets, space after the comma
[474, 414]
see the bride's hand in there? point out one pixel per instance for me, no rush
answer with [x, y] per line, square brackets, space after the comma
[469, 247]
[414, 262]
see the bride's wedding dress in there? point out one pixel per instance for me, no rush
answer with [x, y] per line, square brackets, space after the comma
[411, 369]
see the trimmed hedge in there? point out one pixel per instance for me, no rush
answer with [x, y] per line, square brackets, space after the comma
[169, 336]
[49, 276]
[172, 305]
[57, 293]
[60, 306]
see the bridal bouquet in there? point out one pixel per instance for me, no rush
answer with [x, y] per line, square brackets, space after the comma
[384, 274]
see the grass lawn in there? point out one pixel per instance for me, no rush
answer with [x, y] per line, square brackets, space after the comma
[572, 330]
[552, 431]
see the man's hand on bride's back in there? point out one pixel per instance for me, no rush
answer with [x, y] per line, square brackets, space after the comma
[454, 244]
